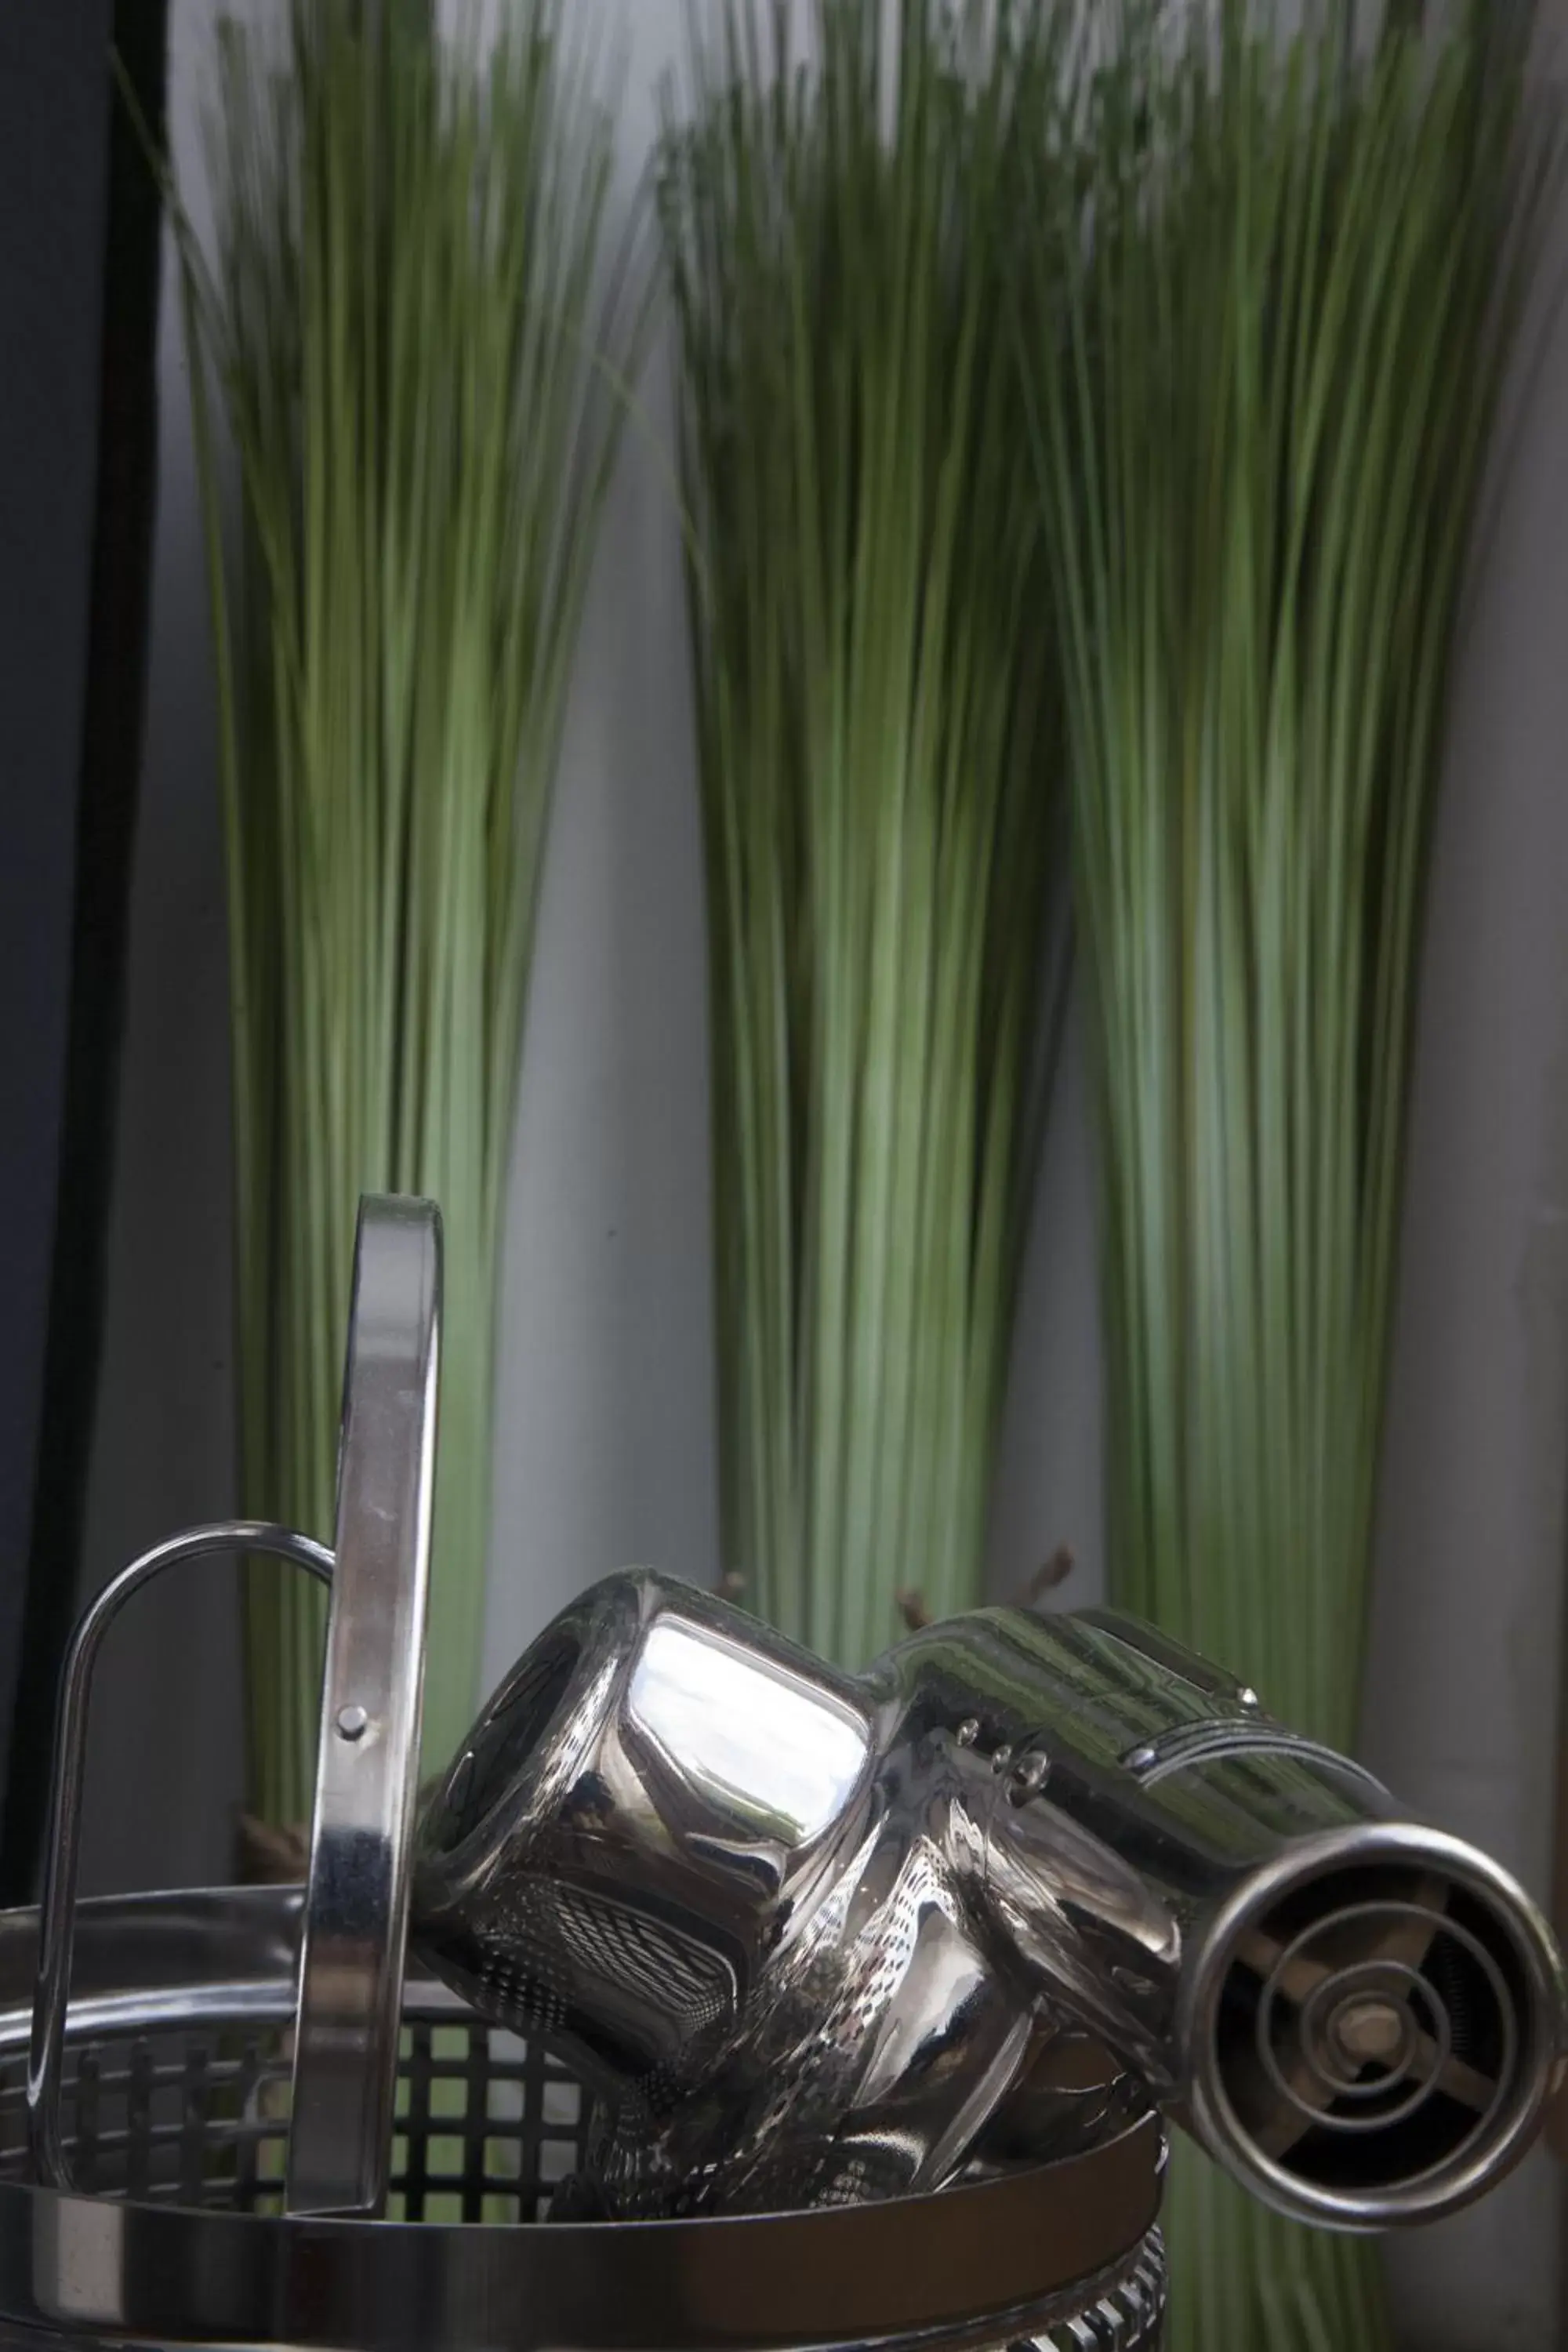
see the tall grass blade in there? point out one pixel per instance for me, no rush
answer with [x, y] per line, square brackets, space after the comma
[1266, 347]
[879, 754]
[396, 330]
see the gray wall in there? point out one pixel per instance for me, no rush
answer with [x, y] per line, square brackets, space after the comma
[606, 1372]
[1467, 1633]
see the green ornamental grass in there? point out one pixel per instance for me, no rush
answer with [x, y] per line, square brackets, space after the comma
[1267, 349]
[877, 733]
[398, 328]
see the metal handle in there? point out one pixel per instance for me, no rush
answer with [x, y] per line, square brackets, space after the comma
[63, 1840]
[356, 1903]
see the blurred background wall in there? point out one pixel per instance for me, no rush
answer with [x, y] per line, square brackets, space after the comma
[605, 1450]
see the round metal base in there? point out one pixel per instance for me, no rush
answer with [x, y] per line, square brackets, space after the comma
[1126, 2314]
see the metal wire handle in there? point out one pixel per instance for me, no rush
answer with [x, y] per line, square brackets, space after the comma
[62, 1846]
[356, 1915]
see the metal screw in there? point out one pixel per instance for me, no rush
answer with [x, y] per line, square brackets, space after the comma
[1369, 2028]
[968, 1731]
[352, 1722]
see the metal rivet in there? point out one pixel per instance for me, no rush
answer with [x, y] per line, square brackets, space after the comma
[1141, 1759]
[352, 1721]
[1001, 1760]
[1247, 1698]
[1029, 1778]
[968, 1731]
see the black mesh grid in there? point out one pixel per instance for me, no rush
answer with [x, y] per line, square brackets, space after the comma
[486, 2124]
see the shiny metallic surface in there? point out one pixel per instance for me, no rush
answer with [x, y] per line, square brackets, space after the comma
[351, 1966]
[736, 1890]
[820, 1937]
[1124, 2314]
[184, 1997]
[241, 2077]
[356, 1909]
[63, 1834]
[1439, 1944]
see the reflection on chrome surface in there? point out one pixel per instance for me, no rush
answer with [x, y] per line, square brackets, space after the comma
[759, 1744]
[820, 1937]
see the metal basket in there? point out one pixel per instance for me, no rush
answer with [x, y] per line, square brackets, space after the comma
[178, 2092]
[175, 2104]
[246, 2127]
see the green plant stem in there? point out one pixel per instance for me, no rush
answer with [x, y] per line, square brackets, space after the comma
[1268, 336]
[879, 756]
[398, 328]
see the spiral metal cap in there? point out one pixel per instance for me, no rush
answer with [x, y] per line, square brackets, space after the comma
[1375, 2032]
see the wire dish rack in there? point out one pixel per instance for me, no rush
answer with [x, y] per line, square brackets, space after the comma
[229, 2119]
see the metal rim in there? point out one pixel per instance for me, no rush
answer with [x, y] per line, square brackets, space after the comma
[1122, 2314]
[367, 1769]
[1456, 2182]
[971, 2265]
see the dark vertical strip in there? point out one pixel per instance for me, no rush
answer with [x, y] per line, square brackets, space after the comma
[54, 113]
[112, 714]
